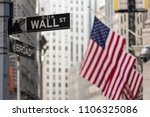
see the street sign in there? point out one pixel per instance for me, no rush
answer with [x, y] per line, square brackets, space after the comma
[22, 49]
[39, 23]
[48, 22]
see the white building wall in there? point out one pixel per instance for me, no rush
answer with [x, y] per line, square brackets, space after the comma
[66, 47]
[80, 88]
[120, 22]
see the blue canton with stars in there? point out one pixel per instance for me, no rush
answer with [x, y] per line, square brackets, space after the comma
[99, 32]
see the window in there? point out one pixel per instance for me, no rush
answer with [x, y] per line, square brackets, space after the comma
[124, 17]
[82, 16]
[77, 58]
[60, 40]
[53, 47]
[138, 20]
[76, 22]
[53, 33]
[82, 2]
[53, 69]
[71, 51]
[47, 69]
[59, 64]
[47, 84]
[59, 92]
[47, 61]
[76, 8]
[54, 92]
[59, 56]
[77, 49]
[47, 77]
[82, 51]
[121, 31]
[66, 85]
[42, 9]
[53, 56]
[59, 84]
[121, 20]
[66, 70]
[66, 48]
[125, 32]
[141, 31]
[76, 29]
[54, 63]
[77, 16]
[53, 84]
[82, 38]
[59, 70]
[71, 9]
[53, 40]
[82, 30]
[141, 17]
[66, 78]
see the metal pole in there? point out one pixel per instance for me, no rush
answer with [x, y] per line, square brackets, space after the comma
[4, 42]
[131, 16]
[18, 78]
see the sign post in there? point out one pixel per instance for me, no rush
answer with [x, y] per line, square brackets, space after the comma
[4, 52]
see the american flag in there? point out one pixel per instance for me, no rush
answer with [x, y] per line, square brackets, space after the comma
[103, 52]
[133, 85]
[117, 82]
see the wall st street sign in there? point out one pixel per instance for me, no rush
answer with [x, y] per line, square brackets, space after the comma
[39, 23]
[48, 22]
[22, 49]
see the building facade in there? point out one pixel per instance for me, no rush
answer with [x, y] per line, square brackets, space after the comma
[82, 89]
[109, 12]
[66, 48]
[27, 69]
[146, 66]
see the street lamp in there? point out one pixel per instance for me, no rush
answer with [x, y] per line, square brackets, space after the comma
[145, 54]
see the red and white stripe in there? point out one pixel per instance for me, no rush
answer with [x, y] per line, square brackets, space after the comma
[116, 83]
[133, 84]
[99, 62]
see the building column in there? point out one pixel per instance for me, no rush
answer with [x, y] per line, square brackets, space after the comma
[4, 51]
[146, 66]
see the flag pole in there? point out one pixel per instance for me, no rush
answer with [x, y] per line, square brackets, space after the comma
[110, 21]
